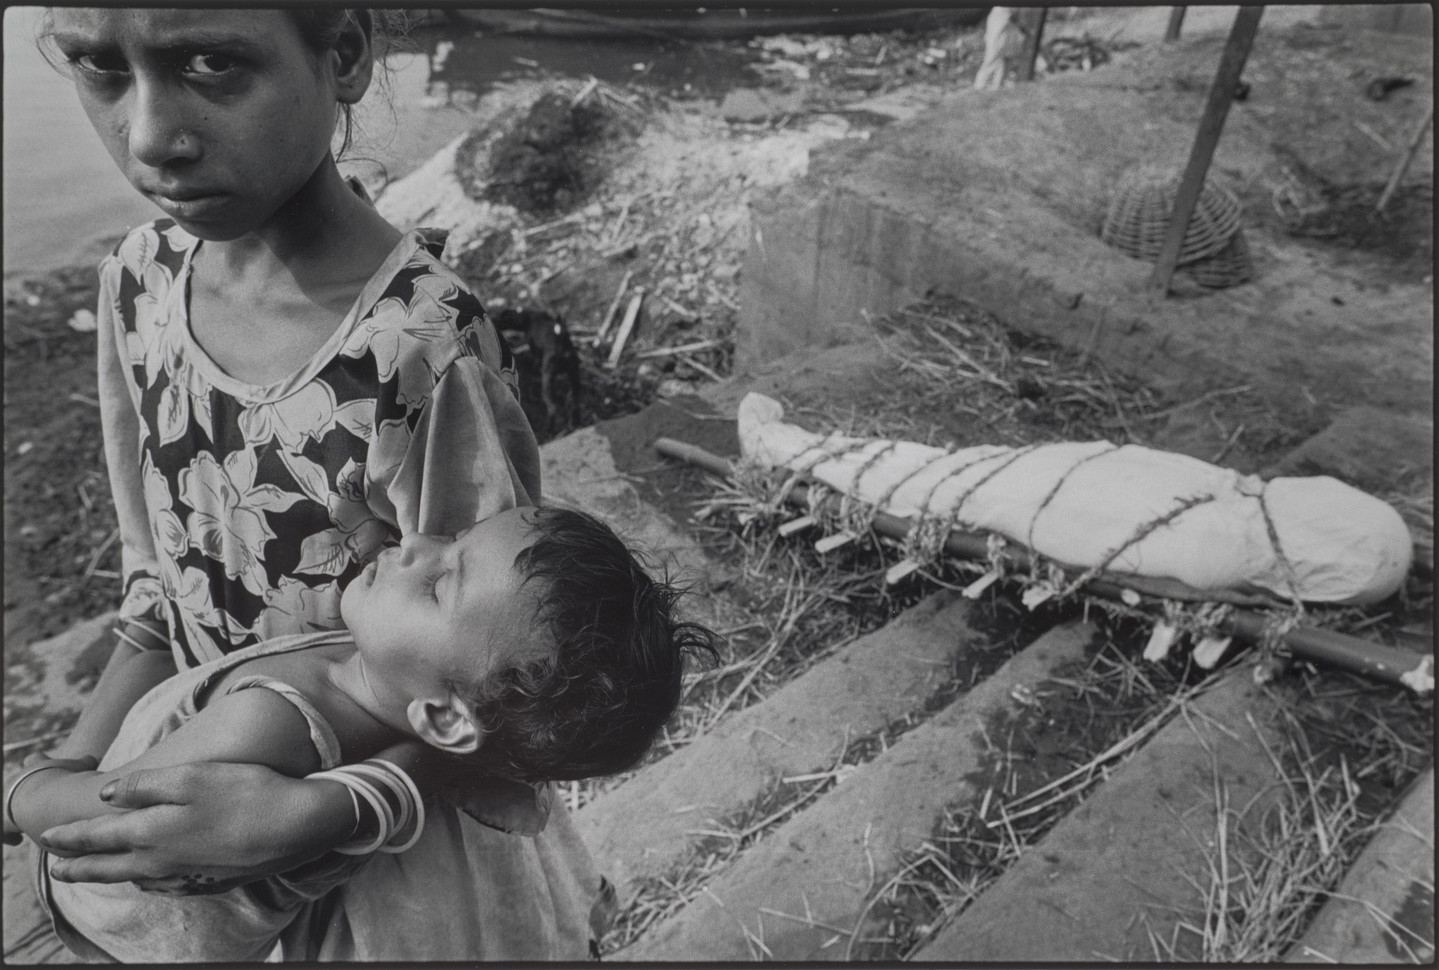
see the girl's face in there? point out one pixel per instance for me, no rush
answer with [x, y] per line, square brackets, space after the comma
[219, 117]
[437, 610]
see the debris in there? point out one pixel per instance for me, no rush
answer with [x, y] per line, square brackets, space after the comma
[626, 328]
[1208, 651]
[609, 320]
[553, 363]
[789, 528]
[1379, 88]
[679, 350]
[832, 542]
[83, 321]
[1403, 167]
[981, 584]
[1161, 641]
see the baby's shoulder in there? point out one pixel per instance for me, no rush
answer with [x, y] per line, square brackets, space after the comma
[160, 244]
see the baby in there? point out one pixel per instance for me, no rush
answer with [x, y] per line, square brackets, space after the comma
[532, 646]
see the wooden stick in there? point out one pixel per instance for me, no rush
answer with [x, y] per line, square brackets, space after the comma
[698, 345]
[1390, 665]
[709, 372]
[626, 328]
[1403, 166]
[590, 85]
[1211, 125]
[1176, 21]
[1031, 42]
[604, 330]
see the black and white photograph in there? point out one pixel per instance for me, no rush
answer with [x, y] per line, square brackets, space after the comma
[652, 483]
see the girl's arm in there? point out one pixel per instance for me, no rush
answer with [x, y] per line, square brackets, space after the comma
[253, 726]
[133, 668]
[130, 673]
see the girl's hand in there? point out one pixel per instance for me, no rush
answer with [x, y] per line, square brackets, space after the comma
[33, 763]
[202, 828]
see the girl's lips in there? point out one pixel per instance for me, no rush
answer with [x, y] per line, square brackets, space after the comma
[189, 207]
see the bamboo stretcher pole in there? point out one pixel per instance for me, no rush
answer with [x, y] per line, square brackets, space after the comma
[1390, 665]
[1211, 126]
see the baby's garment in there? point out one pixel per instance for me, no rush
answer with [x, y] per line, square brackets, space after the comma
[123, 922]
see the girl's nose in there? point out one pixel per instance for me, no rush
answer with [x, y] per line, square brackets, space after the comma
[159, 133]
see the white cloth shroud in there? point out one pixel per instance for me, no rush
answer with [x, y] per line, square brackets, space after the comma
[1077, 502]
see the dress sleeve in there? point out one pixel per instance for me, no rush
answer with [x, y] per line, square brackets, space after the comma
[120, 425]
[470, 455]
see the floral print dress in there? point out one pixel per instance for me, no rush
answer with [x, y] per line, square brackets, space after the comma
[245, 510]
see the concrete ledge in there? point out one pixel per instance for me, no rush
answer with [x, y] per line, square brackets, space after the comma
[799, 893]
[645, 826]
[1384, 909]
[1130, 860]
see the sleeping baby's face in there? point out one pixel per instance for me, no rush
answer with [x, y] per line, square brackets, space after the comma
[439, 610]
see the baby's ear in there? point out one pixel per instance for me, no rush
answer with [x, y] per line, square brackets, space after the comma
[446, 725]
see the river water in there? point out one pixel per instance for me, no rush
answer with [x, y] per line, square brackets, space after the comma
[64, 200]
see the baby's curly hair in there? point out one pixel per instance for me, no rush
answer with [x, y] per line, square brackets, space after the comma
[595, 706]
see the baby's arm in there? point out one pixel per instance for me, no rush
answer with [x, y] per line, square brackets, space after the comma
[254, 726]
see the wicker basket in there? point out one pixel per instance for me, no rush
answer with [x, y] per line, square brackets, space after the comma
[1230, 266]
[1143, 202]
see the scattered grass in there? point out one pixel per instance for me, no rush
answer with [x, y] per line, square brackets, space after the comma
[1069, 734]
[963, 377]
[1264, 883]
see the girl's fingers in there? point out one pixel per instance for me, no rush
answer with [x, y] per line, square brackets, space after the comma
[148, 787]
[112, 834]
[99, 868]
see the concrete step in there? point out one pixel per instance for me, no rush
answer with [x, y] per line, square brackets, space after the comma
[1128, 865]
[1384, 909]
[646, 826]
[802, 891]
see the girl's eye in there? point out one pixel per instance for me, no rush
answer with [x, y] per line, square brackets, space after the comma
[98, 63]
[209, 65]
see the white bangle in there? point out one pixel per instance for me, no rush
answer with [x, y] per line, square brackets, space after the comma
[401, 796]
[371, 791]
[414, 793]
[360, 789]
[10, 792]
[123, 630]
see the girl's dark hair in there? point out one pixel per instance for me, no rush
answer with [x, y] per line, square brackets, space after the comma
[321, 28]
[596, 705]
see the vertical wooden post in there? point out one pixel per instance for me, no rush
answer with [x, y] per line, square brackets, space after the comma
[1403, 167]
[1211, 125]
[1176, 21]
[1033, 33]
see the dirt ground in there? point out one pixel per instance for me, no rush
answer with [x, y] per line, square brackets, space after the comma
[663, 205]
